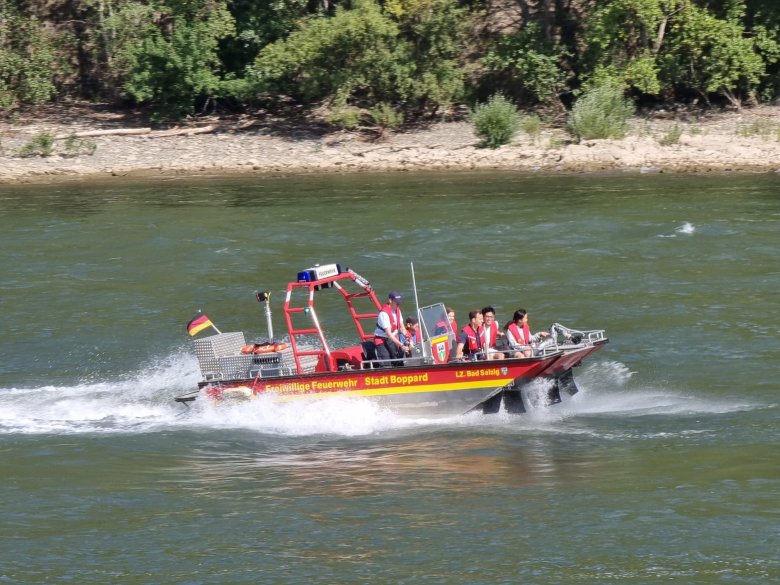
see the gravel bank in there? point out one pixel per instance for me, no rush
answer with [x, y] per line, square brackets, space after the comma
[746, 141]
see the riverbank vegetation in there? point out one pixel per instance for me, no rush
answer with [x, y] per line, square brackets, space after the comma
[386, 63]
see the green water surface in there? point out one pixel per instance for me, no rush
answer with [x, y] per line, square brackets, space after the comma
[663, 469]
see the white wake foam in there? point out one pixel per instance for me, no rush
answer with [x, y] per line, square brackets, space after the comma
[685, 229]
[136, 401]
[606, 388]
[142, 402]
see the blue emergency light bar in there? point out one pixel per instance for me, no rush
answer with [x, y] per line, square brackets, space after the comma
[318, 272]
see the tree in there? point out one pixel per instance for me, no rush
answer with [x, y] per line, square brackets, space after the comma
[719, 56]
[527, 65]
[170, 52]
[623, 41]
[27, 56]
[258, 23]
[433, 32]
[672, 46]
[365, 56]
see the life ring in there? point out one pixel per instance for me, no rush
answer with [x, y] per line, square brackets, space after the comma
[248, 348]
[280, 347]
[260, 349]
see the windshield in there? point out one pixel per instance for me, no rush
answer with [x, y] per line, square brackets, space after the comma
[435, 322]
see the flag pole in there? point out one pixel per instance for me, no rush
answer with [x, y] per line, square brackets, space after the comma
[421, 326]
[214, 327]
[203, 322]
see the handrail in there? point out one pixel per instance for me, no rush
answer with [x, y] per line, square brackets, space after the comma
[324, 351]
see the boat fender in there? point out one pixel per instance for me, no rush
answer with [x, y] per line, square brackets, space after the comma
[248, 348]
[280, 347]
[260, 349]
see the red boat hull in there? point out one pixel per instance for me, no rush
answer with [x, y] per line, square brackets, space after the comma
[427, 390]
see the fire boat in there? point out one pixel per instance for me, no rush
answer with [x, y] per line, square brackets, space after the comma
[426, 382]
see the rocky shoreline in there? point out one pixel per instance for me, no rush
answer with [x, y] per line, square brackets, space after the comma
[745, 141]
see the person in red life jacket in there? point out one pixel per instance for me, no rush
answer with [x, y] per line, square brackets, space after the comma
[389, 327]
[491, 334]
[451, 319]
[412, 336]
[518, 334]
[453, 325]
[446, 323]
[470, 341]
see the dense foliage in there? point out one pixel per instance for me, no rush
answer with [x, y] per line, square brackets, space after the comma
[496, 121]
[602, 112]
[381, 59]
[27, 56]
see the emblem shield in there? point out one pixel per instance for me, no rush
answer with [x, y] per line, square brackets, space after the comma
[441, 351]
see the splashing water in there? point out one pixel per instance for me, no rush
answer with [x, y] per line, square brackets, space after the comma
[142, 403]
[685, 228]
[605, 389]
[131, 403]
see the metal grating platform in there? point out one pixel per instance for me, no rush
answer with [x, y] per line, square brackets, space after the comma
[220, 358]
[235, 366]
[208, 350]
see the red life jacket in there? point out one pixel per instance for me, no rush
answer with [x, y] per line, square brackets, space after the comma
[491, 334]
[443, 327]
[475, 343]
[395, 319]
[523, 337]
[411, 335]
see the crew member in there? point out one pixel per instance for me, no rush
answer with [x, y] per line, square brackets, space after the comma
[491, 334]
[389, 327]
[412, 336]
[470, 342]
[451, 319]
[518, 334]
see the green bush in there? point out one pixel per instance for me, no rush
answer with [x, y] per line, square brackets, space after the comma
[173, 62]
[531, 125]
[526, 64]
[346, 118]
[353, 54]
[386, 117]
[41, 145]
[495, 121]
[74, 146]
[601, 112]
[672, 137]
[406, 56]
[555, 143]
[28, 54]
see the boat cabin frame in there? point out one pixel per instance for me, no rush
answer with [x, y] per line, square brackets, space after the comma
[308, 338]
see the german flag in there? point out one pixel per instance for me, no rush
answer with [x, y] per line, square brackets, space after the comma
[198, 324]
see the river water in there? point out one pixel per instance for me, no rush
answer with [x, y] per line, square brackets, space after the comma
[665, 468]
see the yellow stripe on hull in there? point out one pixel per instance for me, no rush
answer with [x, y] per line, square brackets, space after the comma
[398, 390]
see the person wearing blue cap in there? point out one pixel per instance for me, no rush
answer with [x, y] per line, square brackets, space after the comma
[389, 327]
